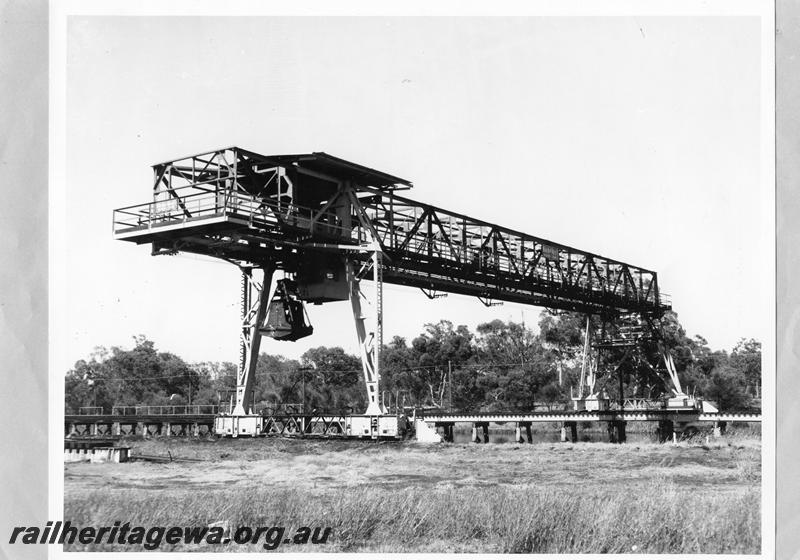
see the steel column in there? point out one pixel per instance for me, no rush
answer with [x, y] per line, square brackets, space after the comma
[255, 297]
[369, 330]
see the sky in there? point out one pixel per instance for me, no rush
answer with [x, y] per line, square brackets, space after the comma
[633, 138]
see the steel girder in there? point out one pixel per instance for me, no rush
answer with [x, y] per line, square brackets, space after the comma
[252, 209]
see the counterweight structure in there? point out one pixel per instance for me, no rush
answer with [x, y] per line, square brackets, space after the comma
[328, 224]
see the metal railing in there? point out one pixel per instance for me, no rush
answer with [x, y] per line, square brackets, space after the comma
[450, 243]
[169, 410]
[90, 410]
[471, 247]
[196, 205]
[637, 404]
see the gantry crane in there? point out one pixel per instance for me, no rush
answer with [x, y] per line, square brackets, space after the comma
[328, 224]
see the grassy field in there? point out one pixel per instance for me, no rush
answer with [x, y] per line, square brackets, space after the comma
[409, 497]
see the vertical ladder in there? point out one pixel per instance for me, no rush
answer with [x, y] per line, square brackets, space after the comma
[378, 276]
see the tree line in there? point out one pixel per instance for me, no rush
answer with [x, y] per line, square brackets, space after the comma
[502, 366]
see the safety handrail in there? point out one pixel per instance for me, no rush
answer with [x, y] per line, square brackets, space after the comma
[265, 211]
[167, 410]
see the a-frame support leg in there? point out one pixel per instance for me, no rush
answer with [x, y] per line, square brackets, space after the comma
[369, 329]
[588, 397]
[666, 355]
[255, 298]
[588, 376]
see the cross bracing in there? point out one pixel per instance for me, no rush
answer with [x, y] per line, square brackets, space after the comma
[281, 211]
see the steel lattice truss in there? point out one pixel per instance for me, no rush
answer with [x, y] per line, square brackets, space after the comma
[282, 210]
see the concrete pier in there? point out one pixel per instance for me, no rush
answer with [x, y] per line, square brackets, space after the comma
[480, 432]
[518, 438]
[570, 428]
[573, 431]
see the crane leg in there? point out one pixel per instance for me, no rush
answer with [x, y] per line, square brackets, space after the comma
[369, 329]
[255, 298]
[587, 398]
[679, 399]
[666, 355]
[587, 372]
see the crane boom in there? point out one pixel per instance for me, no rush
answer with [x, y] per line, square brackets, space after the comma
[287, 209]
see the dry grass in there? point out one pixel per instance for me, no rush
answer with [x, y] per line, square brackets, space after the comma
[684, 498]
